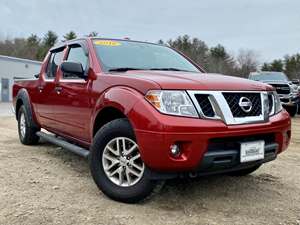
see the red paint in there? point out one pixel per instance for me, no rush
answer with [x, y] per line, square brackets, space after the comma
[72, 113]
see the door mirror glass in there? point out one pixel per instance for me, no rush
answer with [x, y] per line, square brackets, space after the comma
[73, 68]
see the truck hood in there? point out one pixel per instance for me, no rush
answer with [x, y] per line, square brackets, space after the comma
[195, 81]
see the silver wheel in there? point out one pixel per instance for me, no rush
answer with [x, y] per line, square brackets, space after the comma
[122, 162]
[22, 125]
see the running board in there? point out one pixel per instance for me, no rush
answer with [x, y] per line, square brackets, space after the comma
[64, 144]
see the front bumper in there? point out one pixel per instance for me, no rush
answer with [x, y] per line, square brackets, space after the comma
[156, 132]
[289, 101]
[224, 159]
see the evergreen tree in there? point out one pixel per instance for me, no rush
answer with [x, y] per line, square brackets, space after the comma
[49, 40]
[194, 48]
[266, 67]
[277, 65]
[70, 36]
[292, 66]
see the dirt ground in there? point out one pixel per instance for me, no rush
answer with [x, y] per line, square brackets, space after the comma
[46, 185]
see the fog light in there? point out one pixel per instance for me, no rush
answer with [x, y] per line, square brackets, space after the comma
[175, 150]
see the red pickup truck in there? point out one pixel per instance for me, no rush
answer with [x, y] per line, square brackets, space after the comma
[142, 113]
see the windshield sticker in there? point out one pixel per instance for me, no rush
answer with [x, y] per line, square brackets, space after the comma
[107, 43]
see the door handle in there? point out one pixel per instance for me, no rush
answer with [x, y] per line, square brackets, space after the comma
[58, 90]
[40, 88]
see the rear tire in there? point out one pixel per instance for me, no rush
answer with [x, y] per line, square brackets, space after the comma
[244, 172]
[119, 175]
[27, 130]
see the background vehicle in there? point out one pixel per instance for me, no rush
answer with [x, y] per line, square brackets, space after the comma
[286, 89]
[142, 113]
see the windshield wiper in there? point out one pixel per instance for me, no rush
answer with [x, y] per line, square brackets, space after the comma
[124, 69]
[170, 69]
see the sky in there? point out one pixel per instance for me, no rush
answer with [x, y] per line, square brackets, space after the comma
[269, 27]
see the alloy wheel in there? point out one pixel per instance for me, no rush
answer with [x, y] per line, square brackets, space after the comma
[122, 162]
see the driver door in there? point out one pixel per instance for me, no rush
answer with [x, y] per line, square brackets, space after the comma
[73, 110]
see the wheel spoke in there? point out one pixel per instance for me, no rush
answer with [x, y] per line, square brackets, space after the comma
[137, 156]
[115, 172]
[118, 146]
[140, 168]
[133, 172]
[115, 162]
[115, 152]
[128, 176]
[129, 151]
[110, 158]
[121, 176]
[123, 146]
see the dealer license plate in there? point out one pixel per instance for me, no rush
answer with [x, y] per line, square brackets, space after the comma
[251, 151]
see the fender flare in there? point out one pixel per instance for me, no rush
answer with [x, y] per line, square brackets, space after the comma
[24, 96]
[121, 98]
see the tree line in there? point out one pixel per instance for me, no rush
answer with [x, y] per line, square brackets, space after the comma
[34, 47]
[214, 59]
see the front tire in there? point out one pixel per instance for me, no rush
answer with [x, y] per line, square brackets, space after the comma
[27, 130]
[292, 110]
[116, 165]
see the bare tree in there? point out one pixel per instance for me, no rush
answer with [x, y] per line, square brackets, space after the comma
[247, 61]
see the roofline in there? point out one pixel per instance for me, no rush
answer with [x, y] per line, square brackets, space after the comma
[15, 59]
[69, 42]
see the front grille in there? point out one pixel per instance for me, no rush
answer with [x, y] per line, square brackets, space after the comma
[237, 111]
[205, 105]
[285, 100]
[230, 143]
[232, 107]
[283, 89]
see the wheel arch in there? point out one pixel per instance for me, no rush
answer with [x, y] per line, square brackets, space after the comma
[115, 103]
[106, 115]
[23, 98]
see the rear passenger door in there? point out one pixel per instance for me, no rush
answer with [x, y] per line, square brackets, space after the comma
[74, 110]
[46, 93]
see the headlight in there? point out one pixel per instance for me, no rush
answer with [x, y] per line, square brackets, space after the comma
[172, 102]
[294, 90]
[277, 103]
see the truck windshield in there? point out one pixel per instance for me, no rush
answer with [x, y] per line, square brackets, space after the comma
[122, 55]
[269, 76]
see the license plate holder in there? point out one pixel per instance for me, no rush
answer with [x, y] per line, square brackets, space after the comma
[252, 151]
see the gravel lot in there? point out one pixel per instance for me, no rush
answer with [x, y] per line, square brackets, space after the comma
[46, 185]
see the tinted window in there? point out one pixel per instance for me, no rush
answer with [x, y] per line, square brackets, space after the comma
[53, 63]
[128, 54]
[77, 54]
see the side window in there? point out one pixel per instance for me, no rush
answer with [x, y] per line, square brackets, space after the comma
[77, 54]
[53, 63]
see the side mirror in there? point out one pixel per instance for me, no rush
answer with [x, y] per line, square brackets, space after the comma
[72, 68]
[296, 81]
